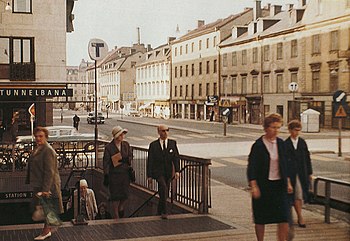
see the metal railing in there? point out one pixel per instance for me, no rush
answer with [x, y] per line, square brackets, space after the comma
[331, 199]
[192, 189]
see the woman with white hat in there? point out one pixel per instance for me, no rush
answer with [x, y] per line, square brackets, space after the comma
[117, 159]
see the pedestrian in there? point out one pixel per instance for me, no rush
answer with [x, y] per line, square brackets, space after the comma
[117, 159]
[76, 121]
[44, 178]
[268, 180]
[88, 206]
[61, 112]
[300, 168]
[163, 155]
[102, 212]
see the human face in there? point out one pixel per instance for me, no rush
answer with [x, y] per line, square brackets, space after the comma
[40, 138]
[163, 132]
[273, 130]
[294, 133]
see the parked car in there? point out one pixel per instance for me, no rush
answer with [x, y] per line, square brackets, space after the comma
[91, 118]
[133, 112]
[61, 133]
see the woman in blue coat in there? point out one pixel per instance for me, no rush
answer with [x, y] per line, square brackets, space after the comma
[268, 180]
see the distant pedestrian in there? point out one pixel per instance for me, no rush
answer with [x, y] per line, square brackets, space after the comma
[76, 121]
[300, 168]
[117, 159]
[163, 155]
[268, 180]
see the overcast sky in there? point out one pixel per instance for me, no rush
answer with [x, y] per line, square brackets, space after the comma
[116, 21]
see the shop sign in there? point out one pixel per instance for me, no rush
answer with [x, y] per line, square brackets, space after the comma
[14, 92]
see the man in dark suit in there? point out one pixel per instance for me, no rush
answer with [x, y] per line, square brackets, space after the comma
[163, 155]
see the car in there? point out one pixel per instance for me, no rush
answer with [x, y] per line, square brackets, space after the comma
[60, 133]
[133, 112]
[91, 118]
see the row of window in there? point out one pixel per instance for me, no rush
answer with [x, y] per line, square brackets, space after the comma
[153, 71]
[185, 49]
[178, 70]
[178, 91]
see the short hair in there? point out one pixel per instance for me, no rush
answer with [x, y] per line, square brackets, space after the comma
[294, 124]
[274, 117]
[43, 129]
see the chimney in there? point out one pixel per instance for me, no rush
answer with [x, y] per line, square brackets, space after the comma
[289, 6]
[149, 48]
[138, 36]
[275, 9]
[115, 47]
[170, 39]
[257, 12]
[200, 23]
[302, 3]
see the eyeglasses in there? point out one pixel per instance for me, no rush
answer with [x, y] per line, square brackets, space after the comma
[164, 130]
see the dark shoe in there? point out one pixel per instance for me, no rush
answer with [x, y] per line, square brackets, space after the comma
[164, 216]
[302, 225]
[43, 237]
[121, 213]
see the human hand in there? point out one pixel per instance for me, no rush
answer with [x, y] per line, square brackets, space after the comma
[290, 188]
[177, 175]
[255, 191]
[46, 194]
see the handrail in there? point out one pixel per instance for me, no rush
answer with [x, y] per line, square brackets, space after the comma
[150, 198]
[327, 199]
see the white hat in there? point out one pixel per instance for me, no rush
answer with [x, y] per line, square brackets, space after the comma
[117, 131]
[83, 183]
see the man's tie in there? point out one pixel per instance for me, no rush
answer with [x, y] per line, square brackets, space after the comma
[163, 145]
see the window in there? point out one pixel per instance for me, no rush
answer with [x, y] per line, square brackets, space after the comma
[175, 51]
[266, 52]
[267, 83]
[180, 71]
[255, 55]
[192, 47]
[174, 71]
[22, 50]
[215, 65]
[180, 50]
[215, 88]
[244, 85]
[294, 48]
[224, 60]
[214, 41]
[175, 92]
[234, 85]
[316, 44]
[316, 81]
[200, 45]
[244, 57]
[333, 80]
[255, 84]
[186, 49]
[180, 90]
[207, 43]
[234, 58]
[207, 90]
[294, 77]
[279, 83]
[334, 41]
[200, 68]
[208, 67]
[192, 91]
[5, 49]
[200, 89]
[280, 51]
[186, 70]
[22, 6]
[186, 91]
[192, 70]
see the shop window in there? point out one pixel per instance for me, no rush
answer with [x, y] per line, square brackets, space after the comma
[22, 6]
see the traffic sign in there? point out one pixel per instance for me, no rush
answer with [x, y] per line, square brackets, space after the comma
[340, 112]
[98, 49]
[293, 86]
[339, 97]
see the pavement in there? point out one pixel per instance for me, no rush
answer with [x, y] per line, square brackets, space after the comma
[229, 217]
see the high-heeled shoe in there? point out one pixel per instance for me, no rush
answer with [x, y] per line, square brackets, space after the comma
[301, 225]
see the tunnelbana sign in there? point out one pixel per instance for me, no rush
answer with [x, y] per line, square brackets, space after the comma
[41, 92]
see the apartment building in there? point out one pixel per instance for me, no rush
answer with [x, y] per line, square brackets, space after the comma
[32, 59]
[301, 44]
[153, 82]
[196, 67]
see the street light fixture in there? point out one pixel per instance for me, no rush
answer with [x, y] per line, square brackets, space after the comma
[8, 5]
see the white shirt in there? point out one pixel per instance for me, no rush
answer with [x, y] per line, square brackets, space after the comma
[274, 172]
[295, 142]
[165, 142]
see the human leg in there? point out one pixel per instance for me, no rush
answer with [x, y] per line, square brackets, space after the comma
[298, 207]
[163, 190]
[121, 208]
[260, 231]
[116, 209]
[282, 231]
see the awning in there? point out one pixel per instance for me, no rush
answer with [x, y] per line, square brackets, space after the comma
[146, 105]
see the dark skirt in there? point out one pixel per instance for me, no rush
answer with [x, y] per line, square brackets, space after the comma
[272, 206]
[119, 184]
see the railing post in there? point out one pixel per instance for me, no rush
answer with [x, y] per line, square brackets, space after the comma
[327, 210]
[203, 208]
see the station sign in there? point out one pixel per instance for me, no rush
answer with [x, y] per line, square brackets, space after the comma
[97, 48]
[35, 92]
[15, 195]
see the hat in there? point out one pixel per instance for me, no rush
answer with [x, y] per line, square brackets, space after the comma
[83, 183]
[117, 131]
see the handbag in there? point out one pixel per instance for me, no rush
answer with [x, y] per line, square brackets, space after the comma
[132, 174]
[38, 214]
[50, 214]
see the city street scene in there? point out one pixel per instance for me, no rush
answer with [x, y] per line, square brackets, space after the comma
[175, 120]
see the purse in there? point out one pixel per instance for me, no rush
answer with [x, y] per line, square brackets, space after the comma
[132, 174]
[38, 214]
